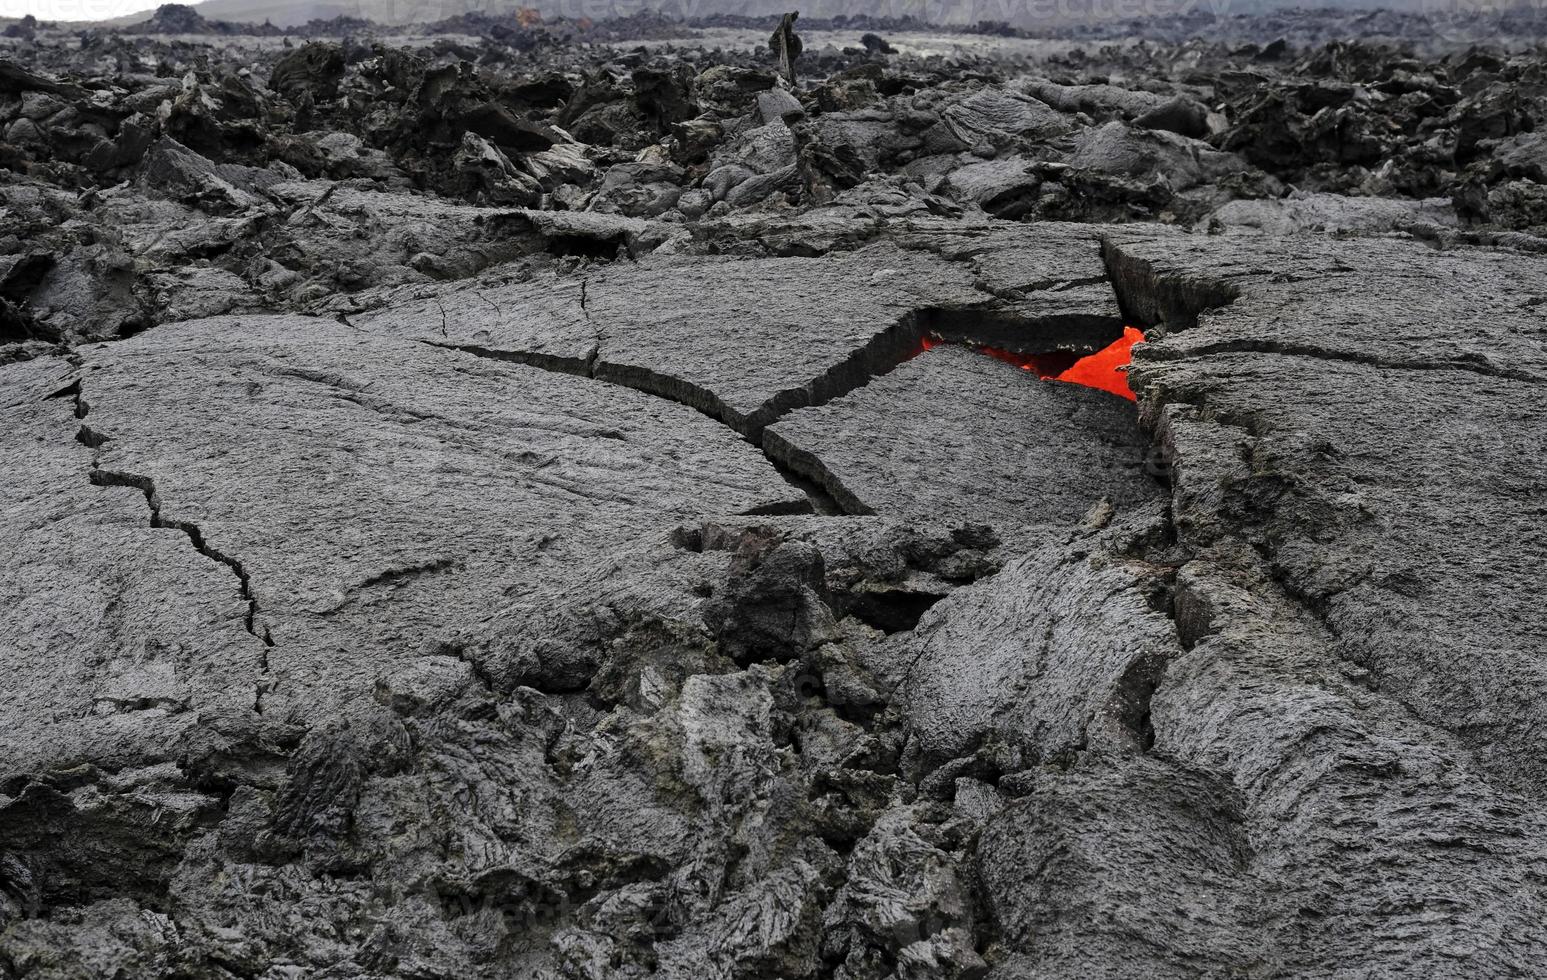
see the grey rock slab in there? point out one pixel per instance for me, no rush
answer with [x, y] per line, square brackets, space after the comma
[1363, 300]
[1180, 115]
[1097, 100]
[642, 190]
[589, 233]
[1050, 278]
[763, 150]
[1388, 500]
[87, 292]
[1011, 256]
[196, 293]
[118, 637]
[1292, 818]
[872, 136]
[1116, 149]
[357, 481]
[1336, 763]
[185, 175]
[1522, 156]
[1374, 839]
[1005, 188]
[779, 105]
[853, 220]
[749, 339]
[958, 435]
[342, 236]
[997, 117]
[760, 186]
[541, 321]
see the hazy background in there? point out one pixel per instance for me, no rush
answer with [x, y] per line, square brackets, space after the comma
[1017, 12]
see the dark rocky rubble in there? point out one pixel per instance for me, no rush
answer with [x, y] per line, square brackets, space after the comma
[158, 175]
[483, 506]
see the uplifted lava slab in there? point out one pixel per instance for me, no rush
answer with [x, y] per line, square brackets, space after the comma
[337, 473]
[1381, 302]
[1046, 283]
[960, 436]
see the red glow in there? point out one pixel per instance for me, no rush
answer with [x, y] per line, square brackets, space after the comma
[1046, 366]
[1107, 368]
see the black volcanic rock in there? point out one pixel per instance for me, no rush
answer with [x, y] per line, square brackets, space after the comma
[312, 71]
[520, 496]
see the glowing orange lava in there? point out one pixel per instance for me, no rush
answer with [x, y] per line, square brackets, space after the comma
[1104, 369]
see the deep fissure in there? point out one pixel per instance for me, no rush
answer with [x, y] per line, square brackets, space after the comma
[1063, 343]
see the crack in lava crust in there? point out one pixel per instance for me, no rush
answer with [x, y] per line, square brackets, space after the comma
[1105, 370]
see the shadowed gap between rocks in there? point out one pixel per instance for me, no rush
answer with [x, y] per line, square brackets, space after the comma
[1148, 296]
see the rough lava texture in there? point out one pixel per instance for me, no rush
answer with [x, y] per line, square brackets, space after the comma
[540, 498]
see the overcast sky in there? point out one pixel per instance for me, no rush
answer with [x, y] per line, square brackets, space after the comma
[73, 9]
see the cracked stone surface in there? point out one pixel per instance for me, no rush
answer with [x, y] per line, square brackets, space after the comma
[541, 321]
[1381, 296]
[744, 340]
[357, 480]
[776, 333]
[748, 340]
[555, 517]
[121, 628]
[484, 647]
[480, 652]
[1059, 653]
[1367, 485]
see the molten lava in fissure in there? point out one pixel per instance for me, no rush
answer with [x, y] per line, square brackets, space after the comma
[1106, 369]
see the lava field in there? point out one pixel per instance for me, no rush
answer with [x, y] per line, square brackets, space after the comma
[528, 497]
